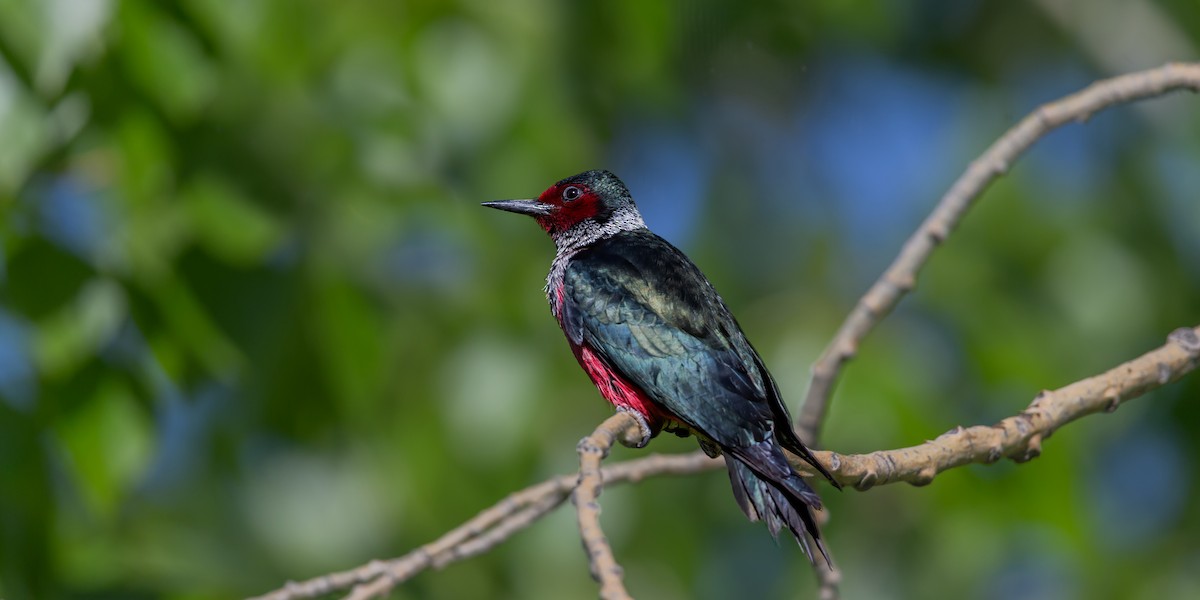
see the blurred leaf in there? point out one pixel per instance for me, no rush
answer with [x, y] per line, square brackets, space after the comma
[317, 514]
[109, 441]
[1102, 289]
[488, 385]
[192, 326]
[227, 223]
[20, 26]
[457, 64]
[70, 30]
[351, 345]
[147, 157]
[68, 338]
[25, 131]
[165, 60]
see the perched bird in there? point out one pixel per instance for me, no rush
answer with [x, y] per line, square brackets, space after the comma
[658, 341]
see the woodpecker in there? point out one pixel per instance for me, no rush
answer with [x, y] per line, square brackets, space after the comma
[652, 333]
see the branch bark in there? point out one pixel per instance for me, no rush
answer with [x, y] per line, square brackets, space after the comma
[1018, 437]
[487, 529]
[592, 450]
[901, 277]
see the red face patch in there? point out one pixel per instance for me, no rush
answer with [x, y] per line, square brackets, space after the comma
[572, 202]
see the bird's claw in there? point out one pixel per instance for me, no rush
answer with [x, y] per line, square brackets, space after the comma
[636, 438]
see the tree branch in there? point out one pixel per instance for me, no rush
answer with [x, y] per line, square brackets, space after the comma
[900, 278]
[490, 527]
[1018, 437]
[592, 450]
[477, 535]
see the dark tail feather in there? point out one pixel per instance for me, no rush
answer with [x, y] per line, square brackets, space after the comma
[767, 489]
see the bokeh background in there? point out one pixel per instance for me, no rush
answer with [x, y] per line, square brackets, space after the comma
[255, 327]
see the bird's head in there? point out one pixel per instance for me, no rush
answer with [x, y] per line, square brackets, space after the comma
[580, 208]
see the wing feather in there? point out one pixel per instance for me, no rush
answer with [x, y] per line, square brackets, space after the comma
[657, 321]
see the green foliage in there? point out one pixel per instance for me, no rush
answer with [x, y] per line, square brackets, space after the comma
[254, 326]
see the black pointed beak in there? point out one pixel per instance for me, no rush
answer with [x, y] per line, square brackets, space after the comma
[532, 208]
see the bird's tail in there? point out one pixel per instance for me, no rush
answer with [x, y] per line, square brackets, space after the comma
[768, 489]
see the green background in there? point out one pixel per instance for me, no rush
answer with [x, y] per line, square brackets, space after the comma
[255, 326]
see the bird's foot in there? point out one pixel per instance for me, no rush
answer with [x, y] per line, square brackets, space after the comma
[641, 436]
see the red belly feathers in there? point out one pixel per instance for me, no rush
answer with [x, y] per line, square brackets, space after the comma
[618, 390]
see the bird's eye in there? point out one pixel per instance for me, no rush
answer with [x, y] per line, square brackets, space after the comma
[571, 194]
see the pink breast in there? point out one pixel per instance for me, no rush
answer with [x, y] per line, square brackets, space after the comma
[618, 390]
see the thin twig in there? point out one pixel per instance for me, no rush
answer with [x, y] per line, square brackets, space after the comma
[442, 551]
[386, 581]
[1018, 437]
[592, 450]
[901, 276]
[501, 516]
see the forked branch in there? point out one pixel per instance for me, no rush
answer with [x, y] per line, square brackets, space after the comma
[1018, 437]
[901, 277]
